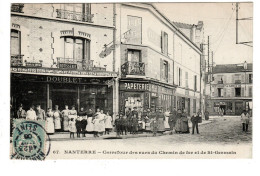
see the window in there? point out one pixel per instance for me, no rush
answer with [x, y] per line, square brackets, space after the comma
[76, 49]
[164, 43]
[134, 55]
[195, 83]
[250, 78]
[238, 92]
[164, 70]
[15, 42]
[237, 78]
[220, 92]
[134, 25]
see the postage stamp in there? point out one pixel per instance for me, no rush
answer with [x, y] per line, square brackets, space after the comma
[30, 140]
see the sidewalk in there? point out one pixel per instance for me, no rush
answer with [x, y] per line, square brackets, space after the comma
[64, 136]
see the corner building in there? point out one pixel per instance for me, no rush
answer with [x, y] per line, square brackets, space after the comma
[160, 65]
[55, 56]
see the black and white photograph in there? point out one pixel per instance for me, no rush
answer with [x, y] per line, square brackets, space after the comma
[131, 80]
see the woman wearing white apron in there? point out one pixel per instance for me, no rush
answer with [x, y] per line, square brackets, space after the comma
[49, 122]
[57, 118]
[166, 120]
[108, 123]
[101, 118]
[65, 116]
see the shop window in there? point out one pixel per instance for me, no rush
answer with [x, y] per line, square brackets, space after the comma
[229, 107]
[250, 78]
[220, 92]
[238, 92]
[15, 42]
[164, 43]
[134, 55]
[76, 49]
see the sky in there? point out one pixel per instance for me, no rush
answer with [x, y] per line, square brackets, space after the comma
[220, 24]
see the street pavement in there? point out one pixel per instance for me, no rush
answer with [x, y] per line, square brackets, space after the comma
[227, 129]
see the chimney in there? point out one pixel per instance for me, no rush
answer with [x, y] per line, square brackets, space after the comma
[245, 65]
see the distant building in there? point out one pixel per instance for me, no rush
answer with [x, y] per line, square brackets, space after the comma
[231, 89]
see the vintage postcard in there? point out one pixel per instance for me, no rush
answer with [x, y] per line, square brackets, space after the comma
[131, 80]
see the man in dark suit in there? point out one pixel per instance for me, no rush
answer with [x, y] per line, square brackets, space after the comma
[195, 122]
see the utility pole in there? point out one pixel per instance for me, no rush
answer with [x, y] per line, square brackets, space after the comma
[237, 23]
[209, 75]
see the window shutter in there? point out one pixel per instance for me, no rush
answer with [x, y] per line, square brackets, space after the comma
[173, 79]
[242, 91]
[169, 77]
[247, 78]
[166, 43]
[180, 77]
[161, 69]
[225, 92]
[242, 78]
[177, 75]
[233, 79]
[162, 42]
[232, 92]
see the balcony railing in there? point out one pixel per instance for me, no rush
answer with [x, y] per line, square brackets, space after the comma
[17, 60]
[72, 15]
[133, 68]
[17, 8]
[70, 63]
[237, 81]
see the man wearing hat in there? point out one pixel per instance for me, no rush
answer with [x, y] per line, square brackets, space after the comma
[21, 114]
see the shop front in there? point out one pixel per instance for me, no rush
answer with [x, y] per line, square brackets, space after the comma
[230, 107]
[51, 90]
[145, 94]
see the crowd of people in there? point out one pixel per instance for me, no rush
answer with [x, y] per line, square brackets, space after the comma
[99, 123]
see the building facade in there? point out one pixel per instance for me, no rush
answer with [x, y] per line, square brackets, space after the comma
[112, 56]
[231, 89]
[55, 56]
[160, 65]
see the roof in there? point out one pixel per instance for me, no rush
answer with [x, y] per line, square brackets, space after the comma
[232, 68]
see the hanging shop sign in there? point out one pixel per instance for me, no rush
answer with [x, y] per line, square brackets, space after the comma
[59, 72]
[65, 65]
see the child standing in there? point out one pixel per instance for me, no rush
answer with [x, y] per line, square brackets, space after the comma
[72, 127]
[78, 125]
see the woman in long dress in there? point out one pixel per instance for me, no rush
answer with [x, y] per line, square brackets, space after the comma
[178, 121]
[90, 125]
[49, 122]
[160, 120]
[57, 118]
[166, 120]
[65, 116]
[101, 118]
[184, 123]
[108, 123]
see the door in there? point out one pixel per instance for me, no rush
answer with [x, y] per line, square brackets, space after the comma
[238, 108]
